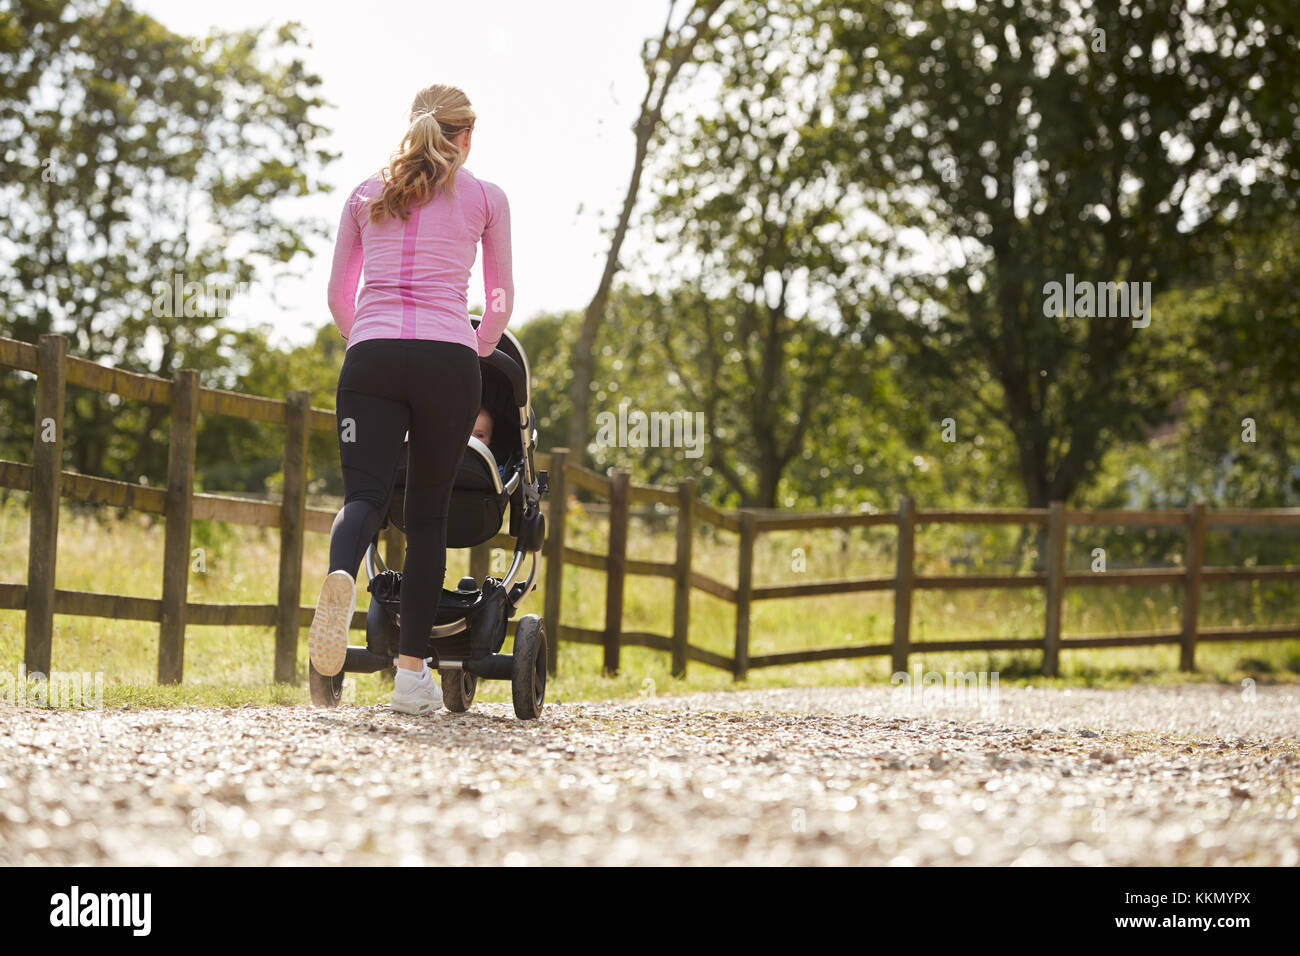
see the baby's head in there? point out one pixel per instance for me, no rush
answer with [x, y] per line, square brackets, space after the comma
[483, 426]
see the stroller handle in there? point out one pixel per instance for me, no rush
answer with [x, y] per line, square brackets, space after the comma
[508, 367]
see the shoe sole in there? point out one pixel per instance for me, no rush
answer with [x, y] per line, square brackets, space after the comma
[327, 641]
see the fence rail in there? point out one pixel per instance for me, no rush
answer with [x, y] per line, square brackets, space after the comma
[180, 505]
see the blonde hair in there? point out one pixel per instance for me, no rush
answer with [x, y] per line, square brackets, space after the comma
[427, 160]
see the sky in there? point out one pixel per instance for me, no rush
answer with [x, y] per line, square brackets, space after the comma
[556, 87]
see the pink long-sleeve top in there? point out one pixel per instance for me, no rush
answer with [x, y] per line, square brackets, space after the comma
[417, 270]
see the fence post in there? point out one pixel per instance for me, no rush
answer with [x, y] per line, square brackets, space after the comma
[179, 511]
[903, 584]
[557, 497]
[682, 574]
[615, 566]
[744, 592]
[47, 481]
[1055, 588]
[293, 522]
[1192, 593]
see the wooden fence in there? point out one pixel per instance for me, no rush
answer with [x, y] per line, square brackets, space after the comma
[749, 523]
[47, 483]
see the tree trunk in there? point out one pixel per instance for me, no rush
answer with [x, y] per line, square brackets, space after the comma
[675, 51]
[583, 359]
[769, 478]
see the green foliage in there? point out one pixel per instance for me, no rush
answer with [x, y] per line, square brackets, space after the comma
[851, 235]
[238, 455]
[763, 330]
[136, 159]
[1116, 142]
[1242, 332]
[1246, 349]
[547, 341]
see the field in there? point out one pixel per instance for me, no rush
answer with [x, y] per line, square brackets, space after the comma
[106, 553]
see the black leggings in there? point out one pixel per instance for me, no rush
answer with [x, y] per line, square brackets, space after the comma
[387, 386]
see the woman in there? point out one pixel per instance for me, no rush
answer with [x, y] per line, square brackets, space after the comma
[412, 363]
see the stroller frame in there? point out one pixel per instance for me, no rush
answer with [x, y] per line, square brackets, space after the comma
[469, 629]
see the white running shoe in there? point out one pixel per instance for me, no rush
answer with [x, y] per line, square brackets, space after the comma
[327, 641]
[416, 693]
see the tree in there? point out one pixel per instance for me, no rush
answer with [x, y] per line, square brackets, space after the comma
[1115, 142]
[1239, 431]
[751, 200]
[663, 61]
[141, 163]
[849, 443]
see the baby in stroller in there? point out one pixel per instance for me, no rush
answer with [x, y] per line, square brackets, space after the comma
[483, 426]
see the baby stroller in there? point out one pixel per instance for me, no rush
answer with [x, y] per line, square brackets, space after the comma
[470, 627]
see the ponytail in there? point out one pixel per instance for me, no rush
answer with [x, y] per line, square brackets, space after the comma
[426, 162]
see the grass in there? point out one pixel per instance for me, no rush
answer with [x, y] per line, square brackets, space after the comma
[231, 666]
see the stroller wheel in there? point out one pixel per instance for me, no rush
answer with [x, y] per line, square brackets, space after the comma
[528, 684]
[458, 688]
[325, 691]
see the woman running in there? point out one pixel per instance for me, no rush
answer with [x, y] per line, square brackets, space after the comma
[412, 363]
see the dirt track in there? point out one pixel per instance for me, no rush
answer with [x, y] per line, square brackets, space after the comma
[1193, 775]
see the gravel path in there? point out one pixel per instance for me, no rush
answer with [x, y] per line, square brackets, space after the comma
[1178, 775]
